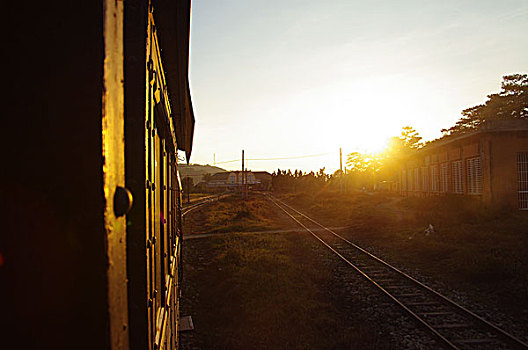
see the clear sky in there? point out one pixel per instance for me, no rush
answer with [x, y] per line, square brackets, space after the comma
[283, 78]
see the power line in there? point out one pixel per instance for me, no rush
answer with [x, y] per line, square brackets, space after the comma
[278, 158]
[229, 161]
[293, 157]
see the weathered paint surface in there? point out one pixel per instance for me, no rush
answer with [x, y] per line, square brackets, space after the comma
[114, 172]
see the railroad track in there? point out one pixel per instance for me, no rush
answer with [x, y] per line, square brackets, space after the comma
[186, 210]
[452, 325]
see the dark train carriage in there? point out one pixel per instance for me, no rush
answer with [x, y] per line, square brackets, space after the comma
[97, 106]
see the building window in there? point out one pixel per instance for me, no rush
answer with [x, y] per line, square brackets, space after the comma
[444, 177]
[425, 179]
[522, 172]
[416, 179]
[410, 180]
[474, 176]
[404, 180]
[456, 174]
[434, 178]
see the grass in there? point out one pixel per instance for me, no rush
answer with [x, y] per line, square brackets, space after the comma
[235, 215]
[274, 291]
[473, 246]
[262, 294]
[266, 291]
[231, 214]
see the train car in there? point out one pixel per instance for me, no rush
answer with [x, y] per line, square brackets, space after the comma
[96, 109]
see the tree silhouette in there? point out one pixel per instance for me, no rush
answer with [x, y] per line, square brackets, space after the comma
[510, 103]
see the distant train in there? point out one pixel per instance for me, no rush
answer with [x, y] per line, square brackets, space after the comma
[98, 104]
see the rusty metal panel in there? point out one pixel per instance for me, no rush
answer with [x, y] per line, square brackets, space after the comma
[114, 172]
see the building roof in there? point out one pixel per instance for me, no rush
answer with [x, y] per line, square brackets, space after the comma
[488, 127]
[173, 27]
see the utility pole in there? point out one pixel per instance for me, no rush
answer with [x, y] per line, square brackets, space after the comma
[340, 170]
[242, 179]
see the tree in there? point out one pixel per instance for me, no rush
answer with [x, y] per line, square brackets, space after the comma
[355, 162]
[363, 169]
[410, 138]
[510, 103]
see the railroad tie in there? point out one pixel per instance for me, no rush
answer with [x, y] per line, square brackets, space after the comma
[422, 303]
[410, 295]
[385, 280]
[395, 286]
[451, 325]
[437, 313]
[475, 341]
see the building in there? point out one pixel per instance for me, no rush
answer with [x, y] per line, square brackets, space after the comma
[230, 180]
[490, 163]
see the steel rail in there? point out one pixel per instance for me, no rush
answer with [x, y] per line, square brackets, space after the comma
[419, 319]
[512, 340]
[197, 205]
[199, 200]
[188, 209]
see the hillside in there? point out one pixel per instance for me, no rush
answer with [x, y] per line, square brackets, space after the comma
[196, 171]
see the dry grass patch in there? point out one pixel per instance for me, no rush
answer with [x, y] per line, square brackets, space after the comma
[235, 215]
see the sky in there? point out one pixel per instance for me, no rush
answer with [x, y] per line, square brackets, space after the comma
[303, 78]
